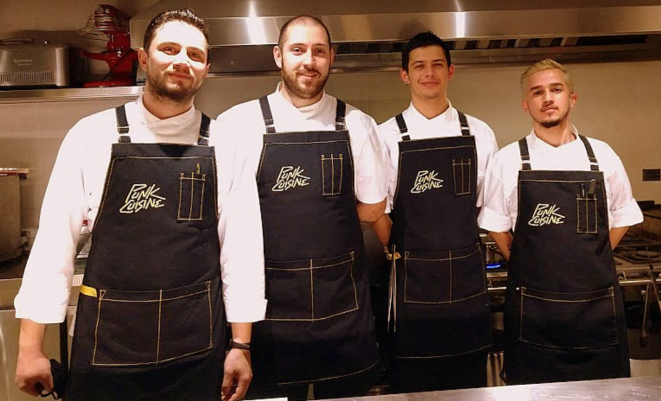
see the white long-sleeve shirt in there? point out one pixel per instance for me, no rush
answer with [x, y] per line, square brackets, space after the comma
[245, 121]
[74, 193]
[500, 209]
[444, 125]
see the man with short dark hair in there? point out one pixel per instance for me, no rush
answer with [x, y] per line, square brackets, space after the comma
[176, 243]
[441, 330]
[569, 202]
[320, 172]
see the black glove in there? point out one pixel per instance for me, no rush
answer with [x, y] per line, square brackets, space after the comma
[60, 374]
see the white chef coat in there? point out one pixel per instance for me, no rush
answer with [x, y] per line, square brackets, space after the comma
[245, 121]
[444, 125]
[74, 193]
[500, 185]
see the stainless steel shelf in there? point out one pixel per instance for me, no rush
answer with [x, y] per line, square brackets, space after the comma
[68, 94]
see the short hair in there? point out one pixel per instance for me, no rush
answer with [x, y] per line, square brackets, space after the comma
[546, 64]
[185, 15]
[424, 39]
[304, 20]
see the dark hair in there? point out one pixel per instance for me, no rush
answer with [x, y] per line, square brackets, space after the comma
[423, 39]
[185, 15]
[301, 19]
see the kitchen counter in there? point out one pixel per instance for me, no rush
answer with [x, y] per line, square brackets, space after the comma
[629, 389]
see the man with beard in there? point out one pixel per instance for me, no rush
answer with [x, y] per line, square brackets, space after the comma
[175, 247]
[320, 173]
[569, 202]
[438, 158]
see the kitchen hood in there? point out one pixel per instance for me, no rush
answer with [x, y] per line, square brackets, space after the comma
[369, 34]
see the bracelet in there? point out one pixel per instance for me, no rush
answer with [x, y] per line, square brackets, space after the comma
[238, 345]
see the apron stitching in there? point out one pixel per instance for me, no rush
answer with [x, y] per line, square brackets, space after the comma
[181, 184]
[332, 174]
[339, 191]
[154, 300]
[204, 184]
[329, 378]
[210, 314]
[158, 336]
[314, 319]
[155, 363]
[569, 301]
[312, 289]
[353, 282]
[192, 197]
[96, 328]
[323, 176]
[451, 301]
[444, 356]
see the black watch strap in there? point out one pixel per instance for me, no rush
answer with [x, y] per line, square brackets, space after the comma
[238, 345]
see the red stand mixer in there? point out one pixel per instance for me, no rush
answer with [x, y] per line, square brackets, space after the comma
[108, 21]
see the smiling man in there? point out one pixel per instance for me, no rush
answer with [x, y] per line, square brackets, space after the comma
[176, 250]
[320, 173]
[438, 158]
[569, 202]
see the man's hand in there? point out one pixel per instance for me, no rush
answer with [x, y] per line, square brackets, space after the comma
[238, 374]
[32, 368]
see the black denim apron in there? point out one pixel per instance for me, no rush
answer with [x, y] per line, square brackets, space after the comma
[441, 301]
[150, 322]
[319, 323]
[564, 313]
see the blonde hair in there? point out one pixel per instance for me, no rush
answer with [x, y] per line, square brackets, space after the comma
[543, 65]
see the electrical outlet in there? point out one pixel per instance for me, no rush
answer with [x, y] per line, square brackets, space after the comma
[652, 174]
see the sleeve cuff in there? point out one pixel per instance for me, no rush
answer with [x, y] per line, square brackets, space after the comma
[627, 216]
[244, 310]
[493, 221]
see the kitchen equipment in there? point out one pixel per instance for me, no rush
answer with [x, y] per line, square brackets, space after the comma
[24, 63]
[10, 224]
[111, 25]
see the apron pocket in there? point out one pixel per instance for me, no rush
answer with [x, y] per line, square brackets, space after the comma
[461, 169]
[148, 327]
[309, 290]
[569, 321]
[191, 196]
[333, 286]
[443, 277]
[331, 174]
[586, 215]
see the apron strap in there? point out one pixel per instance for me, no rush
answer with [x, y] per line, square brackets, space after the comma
[463, 122]
[204, 131]
[267, 115]
[594, 165]
[403, 130]
[525, 154]
[122, 124]
[340, 112]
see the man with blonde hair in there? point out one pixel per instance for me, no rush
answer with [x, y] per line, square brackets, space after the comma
[564, 315]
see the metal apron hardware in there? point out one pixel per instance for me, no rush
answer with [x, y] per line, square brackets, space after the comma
[438, 290]
[150, 321]
[319, 323]
[564, 313]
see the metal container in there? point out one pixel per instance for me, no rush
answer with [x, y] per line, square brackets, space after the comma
[10, 224]
[27, 64]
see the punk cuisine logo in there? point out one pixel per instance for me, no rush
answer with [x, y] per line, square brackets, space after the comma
[290, 177]
[142, 197]
[546, 215]
[426, 180]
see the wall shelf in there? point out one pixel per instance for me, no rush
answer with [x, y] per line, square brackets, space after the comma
[68, 94]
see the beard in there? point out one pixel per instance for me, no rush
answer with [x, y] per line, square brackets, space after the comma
[170, 91]
[300, 90]
[555, 122]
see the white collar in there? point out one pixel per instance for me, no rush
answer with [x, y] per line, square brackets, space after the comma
[540, 146]
[153, 122]
[448, 115]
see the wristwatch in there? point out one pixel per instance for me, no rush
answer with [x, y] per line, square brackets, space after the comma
[238, 345]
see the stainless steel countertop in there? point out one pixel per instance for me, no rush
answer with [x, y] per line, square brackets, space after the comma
[629, 389]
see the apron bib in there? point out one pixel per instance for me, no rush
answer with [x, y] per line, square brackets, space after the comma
[438, 286]
[564, 312]
[319, 323]
[150, 320]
